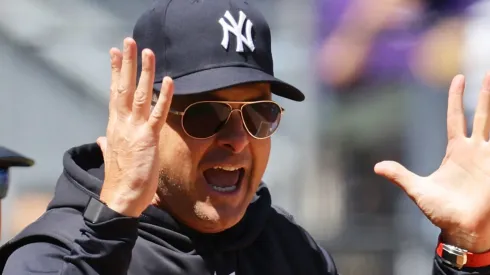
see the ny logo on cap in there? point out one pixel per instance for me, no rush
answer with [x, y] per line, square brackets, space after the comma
[236, 29]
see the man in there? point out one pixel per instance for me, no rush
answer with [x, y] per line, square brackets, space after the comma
[175, 186]
[9, 158]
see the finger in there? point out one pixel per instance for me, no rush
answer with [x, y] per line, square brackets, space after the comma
[102, 142]
[127, 81]
[456, 122]
[481, 122]
[398, 174]
[144, 92]
[159, 114]
[116, 63]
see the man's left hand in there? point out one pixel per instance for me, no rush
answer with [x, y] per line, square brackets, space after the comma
[456, 197]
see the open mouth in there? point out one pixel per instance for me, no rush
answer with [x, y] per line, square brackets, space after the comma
[224, 179]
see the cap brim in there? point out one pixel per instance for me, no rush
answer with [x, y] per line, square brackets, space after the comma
[9, 158]
[225, 77]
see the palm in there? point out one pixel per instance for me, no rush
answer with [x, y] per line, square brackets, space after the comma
[458, 189]
[456, 196]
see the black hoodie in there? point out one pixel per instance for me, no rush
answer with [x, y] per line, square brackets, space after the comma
[266, 241]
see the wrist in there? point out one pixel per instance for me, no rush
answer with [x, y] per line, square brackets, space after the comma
[460, 257]
[121, 205]
[469, 242]
[124, 209]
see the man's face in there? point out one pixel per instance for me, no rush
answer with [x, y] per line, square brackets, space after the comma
[195, 185]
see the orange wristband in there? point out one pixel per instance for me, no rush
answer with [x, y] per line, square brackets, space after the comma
[472, 259]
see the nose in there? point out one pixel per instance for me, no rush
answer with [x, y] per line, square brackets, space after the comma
[233, 135]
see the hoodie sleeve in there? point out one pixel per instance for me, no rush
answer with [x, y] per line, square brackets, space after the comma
[101, 248]
[330, 264]
[443, 269]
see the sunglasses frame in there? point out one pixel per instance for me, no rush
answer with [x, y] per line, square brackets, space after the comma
[232, 109]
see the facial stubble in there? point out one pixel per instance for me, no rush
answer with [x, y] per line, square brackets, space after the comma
[171, 186]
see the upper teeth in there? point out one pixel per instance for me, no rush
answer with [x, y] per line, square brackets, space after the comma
[227, 168]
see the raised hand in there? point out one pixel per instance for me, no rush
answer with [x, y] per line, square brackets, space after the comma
[456, 197]
[131, 145]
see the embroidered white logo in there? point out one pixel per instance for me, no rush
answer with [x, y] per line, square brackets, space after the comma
[236, 29]
[230, 273]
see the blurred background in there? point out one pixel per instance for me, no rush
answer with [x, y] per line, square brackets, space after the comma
[376, 75]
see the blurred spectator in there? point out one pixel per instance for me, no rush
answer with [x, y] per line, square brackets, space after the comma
[384, 66]
[8, 159]
[389, 40]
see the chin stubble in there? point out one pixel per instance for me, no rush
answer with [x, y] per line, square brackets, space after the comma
[168, 186]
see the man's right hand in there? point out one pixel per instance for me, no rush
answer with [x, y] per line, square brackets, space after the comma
[131, 145]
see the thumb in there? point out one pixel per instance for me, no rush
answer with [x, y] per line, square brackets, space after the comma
[102, 142]
[398, 174]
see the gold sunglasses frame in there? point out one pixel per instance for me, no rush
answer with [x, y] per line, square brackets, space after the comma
[232, 109]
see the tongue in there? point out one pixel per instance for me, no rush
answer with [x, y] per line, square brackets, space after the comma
[221, 178]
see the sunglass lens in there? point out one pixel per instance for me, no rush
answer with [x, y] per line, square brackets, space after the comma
[261, 118]
[204, 119]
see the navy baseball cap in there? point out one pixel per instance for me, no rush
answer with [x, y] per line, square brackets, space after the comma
[207, 45]
[9, 158]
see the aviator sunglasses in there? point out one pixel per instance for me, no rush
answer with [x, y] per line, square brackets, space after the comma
[204, 119]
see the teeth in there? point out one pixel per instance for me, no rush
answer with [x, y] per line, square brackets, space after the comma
[227, 168]
[227, 189]
[224, 189]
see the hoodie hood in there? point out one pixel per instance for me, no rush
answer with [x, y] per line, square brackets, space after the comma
[83, 175]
